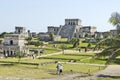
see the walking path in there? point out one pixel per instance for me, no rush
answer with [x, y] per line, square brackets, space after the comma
[111, 70]
[66, 51]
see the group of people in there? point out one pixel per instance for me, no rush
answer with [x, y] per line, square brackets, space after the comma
[59, 68]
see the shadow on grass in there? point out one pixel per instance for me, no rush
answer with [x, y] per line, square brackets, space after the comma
[6, 64]
[117, 61]
[106, 76]
[9, 62]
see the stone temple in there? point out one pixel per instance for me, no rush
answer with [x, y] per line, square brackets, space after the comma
[15, 42]
[72, 28]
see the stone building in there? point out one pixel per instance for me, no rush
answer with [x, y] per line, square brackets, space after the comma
[15, 42]
[113, 32]
[53, 29]
[102, 34]
[43, 36]
[89, 30]
[46, 37]
[21, 30]
[72, 28]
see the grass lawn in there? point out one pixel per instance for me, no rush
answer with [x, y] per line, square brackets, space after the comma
[51, 50]
[73, 67]
[67, 57]
[9, 68]
[78, 57]
[22, 71]
[48, 50]
[109, 79]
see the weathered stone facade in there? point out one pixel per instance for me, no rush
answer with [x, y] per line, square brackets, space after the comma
[15, 42]
[72, 28]
[89, 30]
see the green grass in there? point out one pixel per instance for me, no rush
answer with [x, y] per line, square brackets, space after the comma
[109, 79]
[23, 71]
[48, 50]
[73, 67]
[94, 61]
[9, 68]
[25, 60]
[69, 56]
[63, 40]
[51, 50]
[80, 58]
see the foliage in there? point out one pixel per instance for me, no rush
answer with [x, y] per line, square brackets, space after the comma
[2, 34]
[29, 38]
[39, 43]
[111, 48]
[51, 35]
[86, 34]
[63, 47]
[89, 45]
[115, 20]
[75, 42]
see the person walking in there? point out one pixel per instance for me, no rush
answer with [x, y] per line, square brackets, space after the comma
[60, 69]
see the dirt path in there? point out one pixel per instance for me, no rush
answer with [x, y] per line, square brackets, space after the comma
[74, 76]
[111, 70]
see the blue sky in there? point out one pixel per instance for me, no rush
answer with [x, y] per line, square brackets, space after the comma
[36, 15]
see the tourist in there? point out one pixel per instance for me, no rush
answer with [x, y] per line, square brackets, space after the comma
[60, 69]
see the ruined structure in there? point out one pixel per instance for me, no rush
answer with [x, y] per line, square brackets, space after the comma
[15, 42]
[72, 28]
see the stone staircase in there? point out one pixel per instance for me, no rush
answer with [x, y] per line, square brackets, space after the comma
[67, 31]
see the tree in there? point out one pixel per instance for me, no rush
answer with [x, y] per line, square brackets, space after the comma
[39, 43]
[115, 20]
[63, 47]
[89, 45]
[2, 34]
[51, 35]
[111, 48]
[86, 35]
[28, 39]
[75, 42]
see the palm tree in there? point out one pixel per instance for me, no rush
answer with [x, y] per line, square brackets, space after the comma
[75, 42]
[111, 45]
[115, 20]
[111, 48]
